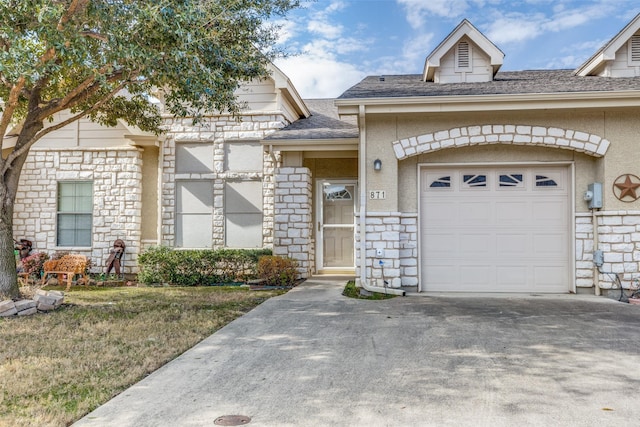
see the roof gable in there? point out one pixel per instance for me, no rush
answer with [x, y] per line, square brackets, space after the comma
[595, 64]
[464, 30]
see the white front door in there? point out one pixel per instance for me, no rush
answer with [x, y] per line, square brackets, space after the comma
[336, 226]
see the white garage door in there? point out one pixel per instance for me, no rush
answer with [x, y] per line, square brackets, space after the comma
[495, 229]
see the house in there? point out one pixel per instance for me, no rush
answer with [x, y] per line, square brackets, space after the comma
[472, 179]
[85, 186]
[459, 178]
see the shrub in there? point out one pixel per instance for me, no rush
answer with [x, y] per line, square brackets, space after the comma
[198, 267]
[33, 264]
[278, 271]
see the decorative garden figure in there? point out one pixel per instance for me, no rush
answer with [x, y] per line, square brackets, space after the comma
[113, 262]
[23, 247]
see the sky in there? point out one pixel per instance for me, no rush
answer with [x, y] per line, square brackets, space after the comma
[333, 44]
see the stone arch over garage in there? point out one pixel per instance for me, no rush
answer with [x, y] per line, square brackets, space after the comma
[538, 136]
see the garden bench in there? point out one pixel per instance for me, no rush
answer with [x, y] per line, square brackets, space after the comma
[68, 265]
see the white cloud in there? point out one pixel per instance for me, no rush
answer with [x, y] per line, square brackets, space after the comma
[418, 10]
[514, 28]
[325, 29]
[287, 30]
[320, 77]
[320, 70]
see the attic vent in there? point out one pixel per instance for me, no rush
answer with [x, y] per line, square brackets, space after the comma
[463, 56]
[634, 50]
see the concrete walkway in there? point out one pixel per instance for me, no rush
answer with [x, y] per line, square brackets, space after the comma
[314, 358]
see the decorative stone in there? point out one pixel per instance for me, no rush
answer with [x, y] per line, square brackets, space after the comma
[28, 312]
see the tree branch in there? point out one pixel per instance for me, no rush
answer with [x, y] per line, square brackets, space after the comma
[10, 107]
[94, 35]
[74, 7]
[79, 94]
[18, 151]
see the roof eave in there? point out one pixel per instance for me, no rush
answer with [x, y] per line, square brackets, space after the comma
[509, 102]
[608, 51]
[283, 83]
[327, 144]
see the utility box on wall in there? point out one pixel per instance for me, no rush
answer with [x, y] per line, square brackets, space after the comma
[594, 195]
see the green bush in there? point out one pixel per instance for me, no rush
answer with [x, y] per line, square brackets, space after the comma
[192, 267]
[278, 271]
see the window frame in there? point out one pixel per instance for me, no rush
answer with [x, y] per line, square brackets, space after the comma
[229, 213]
[76, 240]
[230, 160]
[182, 212]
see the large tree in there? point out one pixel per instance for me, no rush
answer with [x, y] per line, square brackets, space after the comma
[102, 59]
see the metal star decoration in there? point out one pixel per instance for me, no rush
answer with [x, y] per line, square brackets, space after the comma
[626, 186]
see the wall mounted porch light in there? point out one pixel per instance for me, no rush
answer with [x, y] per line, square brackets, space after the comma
[377, 165]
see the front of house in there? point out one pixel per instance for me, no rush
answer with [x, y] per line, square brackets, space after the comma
[462, 178]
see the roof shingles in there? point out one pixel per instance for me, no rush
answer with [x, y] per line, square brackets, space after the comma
[504, 83]
[324, 123]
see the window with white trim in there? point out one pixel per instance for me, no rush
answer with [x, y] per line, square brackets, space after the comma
[243, 156]
[74, 213]
[243, 214]
[194, 214]
[194, 157]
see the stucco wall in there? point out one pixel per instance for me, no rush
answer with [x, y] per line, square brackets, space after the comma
[618, 127]
[601, 144]
[149, 227]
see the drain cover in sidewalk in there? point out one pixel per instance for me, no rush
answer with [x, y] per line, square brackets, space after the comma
[232, 420]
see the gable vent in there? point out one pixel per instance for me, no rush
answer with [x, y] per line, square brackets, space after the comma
[463, 57]
[634, 49]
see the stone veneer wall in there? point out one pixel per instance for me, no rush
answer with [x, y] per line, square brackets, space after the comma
[502, 134]
[116, 174]
[618, 238]
[217, 130]
[396, 234]
[584, 251]
[293, 224]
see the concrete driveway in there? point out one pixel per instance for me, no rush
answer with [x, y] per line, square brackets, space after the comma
[314, 358]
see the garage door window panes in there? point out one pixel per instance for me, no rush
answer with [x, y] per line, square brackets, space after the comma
[511, 180]
[545, 181]
[471, 181]
[442, 182]
[75, 213]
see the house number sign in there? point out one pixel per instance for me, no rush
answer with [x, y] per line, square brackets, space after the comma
[377, 195]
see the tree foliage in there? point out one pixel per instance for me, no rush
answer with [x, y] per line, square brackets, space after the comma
[102, 59]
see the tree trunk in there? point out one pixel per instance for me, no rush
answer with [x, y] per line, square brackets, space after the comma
[8, 276]
[8, 189]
